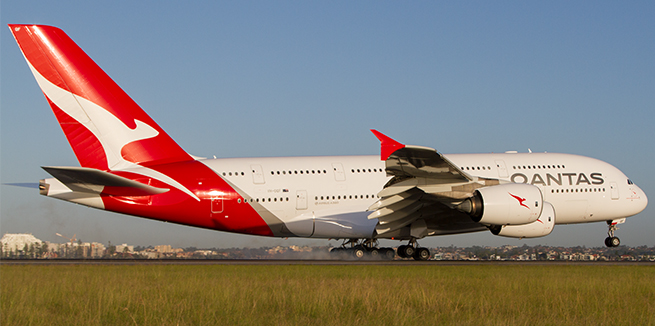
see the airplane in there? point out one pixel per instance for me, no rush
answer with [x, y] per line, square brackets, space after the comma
[129, 165]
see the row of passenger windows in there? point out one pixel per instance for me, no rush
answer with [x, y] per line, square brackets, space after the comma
[279, 172]
[465, 168]
[535, 167]
[231, 174]
[298, 172]
[265, 200]
[366, 170]
[344, 197]
[562, 191]
[286, 199]
[468, 168]
[290, 172]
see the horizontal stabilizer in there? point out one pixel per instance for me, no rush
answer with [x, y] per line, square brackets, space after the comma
[32, 185]
[96, 181]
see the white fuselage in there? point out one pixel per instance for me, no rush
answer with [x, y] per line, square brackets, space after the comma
[327, 197]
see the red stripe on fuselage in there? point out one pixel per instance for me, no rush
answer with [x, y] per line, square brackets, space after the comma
[177, 207]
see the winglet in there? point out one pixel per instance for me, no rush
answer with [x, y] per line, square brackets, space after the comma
[388, 145]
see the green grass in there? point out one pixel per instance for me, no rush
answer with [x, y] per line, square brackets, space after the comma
[327, 295]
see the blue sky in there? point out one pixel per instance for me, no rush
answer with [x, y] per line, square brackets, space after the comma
[239, 79]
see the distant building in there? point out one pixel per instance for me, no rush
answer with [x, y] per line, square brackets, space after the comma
[124, 248]
[95, 249]
[164, 248]
[19, 244]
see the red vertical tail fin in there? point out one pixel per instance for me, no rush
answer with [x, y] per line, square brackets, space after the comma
[105, 127]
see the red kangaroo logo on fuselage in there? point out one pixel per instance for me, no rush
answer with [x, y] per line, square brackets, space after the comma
[521, 200]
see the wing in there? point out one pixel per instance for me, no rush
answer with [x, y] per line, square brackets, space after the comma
[418, 161]
[421, 197]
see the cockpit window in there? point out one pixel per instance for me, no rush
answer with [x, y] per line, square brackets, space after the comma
[630, 182]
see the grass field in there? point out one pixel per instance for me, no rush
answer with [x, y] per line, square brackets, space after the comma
[327, 295]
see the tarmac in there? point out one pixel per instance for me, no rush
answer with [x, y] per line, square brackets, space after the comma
[312, 262]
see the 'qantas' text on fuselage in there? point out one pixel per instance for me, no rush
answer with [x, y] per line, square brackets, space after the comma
[574, 179]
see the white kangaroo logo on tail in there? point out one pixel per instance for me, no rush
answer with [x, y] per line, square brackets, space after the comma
[112, 133]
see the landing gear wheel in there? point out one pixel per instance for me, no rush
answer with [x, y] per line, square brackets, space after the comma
[406, 251]
[422, 254]
[388, 253]
[359, 252]
[374, 253]
[401, 251]
[615, 241]
[608, 242]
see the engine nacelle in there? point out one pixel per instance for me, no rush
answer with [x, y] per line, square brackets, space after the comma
[539, 228]
[507, 204]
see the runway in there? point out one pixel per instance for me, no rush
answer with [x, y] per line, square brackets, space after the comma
[312, 262]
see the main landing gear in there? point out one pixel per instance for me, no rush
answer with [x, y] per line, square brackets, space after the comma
[412, 250]
[611, 240]
[360, 249]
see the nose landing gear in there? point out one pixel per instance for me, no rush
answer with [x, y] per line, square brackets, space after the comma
[611, 240]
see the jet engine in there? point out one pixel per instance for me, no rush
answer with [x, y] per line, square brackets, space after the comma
[507, 204]
[539, 228]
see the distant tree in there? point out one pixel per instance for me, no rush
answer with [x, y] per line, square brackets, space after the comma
[43, 249]
[79, 251]
[125, 253]
[111, 249]
[31, 251]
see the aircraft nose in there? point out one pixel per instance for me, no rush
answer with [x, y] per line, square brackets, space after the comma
[639, 199]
